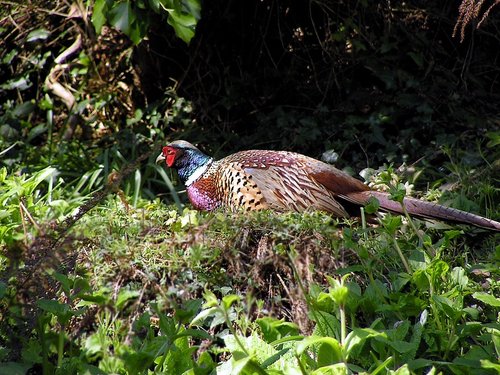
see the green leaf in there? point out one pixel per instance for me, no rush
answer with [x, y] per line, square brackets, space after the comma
[358, 336]
[490, 365]
[397, 193]
[203, 315]
[494, 139]
[3, 171]
[419, 363]
[459, 277]
[19, 83]
[445, 305]
[194, 333]
[61, 310]
[14, 368]
[193, 7]
[183, 16]
[274, 329]
[93, 345]
[121, 17]
[99, 14]
[336, 369]
[229, 300]
[329, 351]
[124, 296]
[91, 299]
[487, 298]
[124, 18]
[372, 206]
[65, 281]
[25, 109]
[31, 352]
[36, 131]
[7, 59]
[247, 365]
[495, 337]
[392, 223]
[183, 29]
[39, 34]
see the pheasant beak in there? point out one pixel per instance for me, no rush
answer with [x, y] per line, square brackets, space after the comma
[160, 158]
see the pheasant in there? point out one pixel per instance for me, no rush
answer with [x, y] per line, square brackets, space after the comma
[287, 181]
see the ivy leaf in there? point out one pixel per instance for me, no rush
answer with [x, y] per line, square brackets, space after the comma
[183, 16]
[121, 17]
[101, 8]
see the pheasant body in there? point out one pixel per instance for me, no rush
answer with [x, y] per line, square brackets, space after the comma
[286, 181]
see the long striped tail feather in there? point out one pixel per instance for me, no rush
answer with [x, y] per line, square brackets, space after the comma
[420, 208]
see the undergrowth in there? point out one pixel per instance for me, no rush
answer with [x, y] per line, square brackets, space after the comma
[149, 289]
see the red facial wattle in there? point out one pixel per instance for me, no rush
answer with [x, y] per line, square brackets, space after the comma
[170, 154]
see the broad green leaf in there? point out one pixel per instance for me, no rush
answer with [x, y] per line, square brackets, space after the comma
[229, 300]
[61, 310]
[15, 368]
[183, 26]
[446, 306]
[495, 337]
[124, 295]
[65, 281]
[183, 16]
[274, 329]
[121, 17]
[32, 352]
[36, 131]
[458, 276]
[358, 336]
[99, 14]
[329, 351]
[23, 110]
[487, 298]
[203, 315]
[91, 299]
[490, 365]
[372, 206]
[419, 363]
[266, 355]
[247, 365]
[93, 344]
[55, 307]
[494, 139]
[194, 333]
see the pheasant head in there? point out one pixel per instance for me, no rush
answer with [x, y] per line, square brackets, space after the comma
[189, 161]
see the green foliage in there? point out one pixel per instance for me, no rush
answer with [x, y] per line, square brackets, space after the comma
[158, 290]
[134, 20]
[27, 203]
